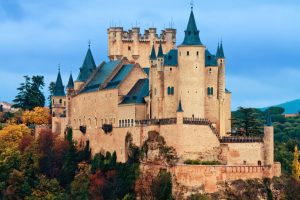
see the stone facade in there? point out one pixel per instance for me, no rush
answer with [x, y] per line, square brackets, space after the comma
[181, 95]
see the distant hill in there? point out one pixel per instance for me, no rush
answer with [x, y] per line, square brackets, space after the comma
[290, 107]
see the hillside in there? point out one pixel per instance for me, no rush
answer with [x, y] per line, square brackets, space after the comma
[290, 107]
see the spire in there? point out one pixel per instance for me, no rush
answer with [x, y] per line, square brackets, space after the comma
[269, 119]
[87, 67]
[59, 87]
[191, 33]
[160, 53]
[70, 82]
[221, 51]
[153, 54]
[179, 109]
[218, 50]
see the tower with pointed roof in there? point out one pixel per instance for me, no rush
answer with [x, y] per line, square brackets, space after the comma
[86, 69]
[58, 103]
[191, 76]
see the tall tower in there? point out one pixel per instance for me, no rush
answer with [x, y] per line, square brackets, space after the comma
[58, 104]
[191, 80]
[70, 92]
[221, 88]
[268, 141]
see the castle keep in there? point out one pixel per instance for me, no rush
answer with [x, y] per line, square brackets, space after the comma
[149, 84]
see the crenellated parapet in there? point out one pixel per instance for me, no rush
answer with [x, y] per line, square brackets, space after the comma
[136, 46]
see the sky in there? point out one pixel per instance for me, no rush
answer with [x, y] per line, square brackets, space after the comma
[261, 40]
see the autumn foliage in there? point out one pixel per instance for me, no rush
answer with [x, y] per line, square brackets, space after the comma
[38, 116]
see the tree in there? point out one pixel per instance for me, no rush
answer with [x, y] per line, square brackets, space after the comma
[296, 165]
[11, 135]
[162, 186]
[80, 185]
[30, 94]
[38, 116]
[51, 88]
[247, 122]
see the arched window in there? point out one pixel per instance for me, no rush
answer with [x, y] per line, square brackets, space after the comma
[172, 90]
[169, 90]
[259, 163]
[60, 101]
[208, 91]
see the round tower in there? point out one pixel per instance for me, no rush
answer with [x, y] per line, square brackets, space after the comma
[191, 79]
[268, 142]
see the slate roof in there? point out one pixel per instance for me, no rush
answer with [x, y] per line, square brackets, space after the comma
[160, 53]
[153, 54]
[210, 60]
[59, 89]
[171, 58]
[120, 76]
[100, 76]
[146, 70]
[191, 33]
[87, 67]
[137, 92]
[70, 84]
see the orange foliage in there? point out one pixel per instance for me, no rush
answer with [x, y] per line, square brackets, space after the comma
[12, 134]
[40, 115]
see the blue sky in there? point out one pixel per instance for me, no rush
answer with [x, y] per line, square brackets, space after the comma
[261, 40]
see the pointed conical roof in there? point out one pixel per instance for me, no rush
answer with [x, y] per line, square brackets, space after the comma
[221, 51]
[59, 89]
[179, 109]
[87, 67]
[153, 54]
[191, 33]
[160, 53]
[70, 83]
[218, 50]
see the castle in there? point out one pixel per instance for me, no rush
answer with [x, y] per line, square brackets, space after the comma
[149, 84]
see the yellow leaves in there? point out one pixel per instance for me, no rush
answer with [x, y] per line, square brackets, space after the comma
[40, 115]
[11, 135]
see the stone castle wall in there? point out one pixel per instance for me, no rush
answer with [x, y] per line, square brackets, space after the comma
[210, 178]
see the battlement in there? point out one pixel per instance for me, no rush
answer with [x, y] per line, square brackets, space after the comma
[136, 46]
[148, 36]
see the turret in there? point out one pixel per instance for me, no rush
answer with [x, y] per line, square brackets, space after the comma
[70, 85]
[268, 141]
[58, 105]
[86, 70]
[152, 56]
[179, 113]
[160, 58]
[191, 79]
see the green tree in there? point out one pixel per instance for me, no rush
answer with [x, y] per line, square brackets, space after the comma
[69, 167]
[80, 186]
[162, 186]
[247, 121]
[51, 88]
[30, 94]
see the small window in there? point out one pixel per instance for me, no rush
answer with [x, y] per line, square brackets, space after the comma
[259, 163]
[60, 101]
[170, 68]
[129, 48]
[209, 70]
[169, 90]
[172, 90]
[210, 91]
[187, 53]
[197, 53]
